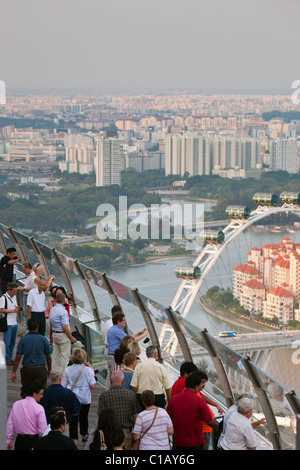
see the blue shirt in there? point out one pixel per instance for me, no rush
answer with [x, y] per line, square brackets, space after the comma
[114, 336]
[57, 395]
[59, 316]
[33, 347]
[127, 379]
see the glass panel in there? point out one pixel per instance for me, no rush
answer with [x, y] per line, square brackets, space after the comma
[82, 317]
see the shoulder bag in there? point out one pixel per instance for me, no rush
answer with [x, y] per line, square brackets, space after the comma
[77, 378]
[136, 444]
[102, 445]
[3, 319]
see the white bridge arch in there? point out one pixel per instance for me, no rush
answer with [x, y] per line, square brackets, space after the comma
[189, 288]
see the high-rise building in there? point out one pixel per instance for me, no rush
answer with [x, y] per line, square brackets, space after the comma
[269, 283]
[80, 154]
[284, 155]
[108, 162]
[188, 154]
[199, 155]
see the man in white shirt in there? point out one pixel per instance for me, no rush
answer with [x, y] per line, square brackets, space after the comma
[239, 432]
[9, 307]
[27, 269]
[36, 304]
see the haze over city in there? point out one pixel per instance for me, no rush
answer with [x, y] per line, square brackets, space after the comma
[196, 45]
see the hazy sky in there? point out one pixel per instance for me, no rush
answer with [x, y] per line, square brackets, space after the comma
[157, 44]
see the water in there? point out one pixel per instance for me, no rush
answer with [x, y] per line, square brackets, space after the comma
[158, 281]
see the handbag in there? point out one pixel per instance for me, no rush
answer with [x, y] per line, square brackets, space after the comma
[3, 319]
[136, 444]
[102, 442]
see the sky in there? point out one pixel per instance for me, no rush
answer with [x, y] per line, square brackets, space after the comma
[190, 45]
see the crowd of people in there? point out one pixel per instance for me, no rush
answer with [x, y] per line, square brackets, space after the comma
[141, 408]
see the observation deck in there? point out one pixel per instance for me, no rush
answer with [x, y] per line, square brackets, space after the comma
[92, 296]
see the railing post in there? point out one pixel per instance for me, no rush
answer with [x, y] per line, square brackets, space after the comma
[179, 334]
[148, 322]
[222, 376]
[64, 275]
[112, 294]
[264, 402]
[40, 256]
[88, 290]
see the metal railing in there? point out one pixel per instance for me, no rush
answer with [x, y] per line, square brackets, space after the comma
[94, 293]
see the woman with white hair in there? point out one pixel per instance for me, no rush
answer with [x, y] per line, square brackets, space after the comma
[38, 272]
[239, 432]
[80, 378]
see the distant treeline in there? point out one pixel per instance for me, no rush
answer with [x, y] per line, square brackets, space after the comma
[287, 116]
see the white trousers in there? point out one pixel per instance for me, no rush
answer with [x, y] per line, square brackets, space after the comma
[61, 350]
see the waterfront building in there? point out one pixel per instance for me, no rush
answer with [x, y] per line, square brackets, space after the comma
[269, 283]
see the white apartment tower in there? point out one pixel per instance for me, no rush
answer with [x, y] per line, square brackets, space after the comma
[187, 154]
[108, 162]
[284, 155]
[199, 155]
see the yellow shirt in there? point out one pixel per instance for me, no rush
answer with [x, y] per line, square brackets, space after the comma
[151, 375]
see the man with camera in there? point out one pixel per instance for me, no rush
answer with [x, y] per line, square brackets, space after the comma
[9, 307]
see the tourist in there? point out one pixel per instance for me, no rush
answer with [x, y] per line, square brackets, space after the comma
[207, 430]
[10, 308]
[151, 375]
[123, 402]
[81, 380]
[188, 412]
[152, 427]
[27, 269]
[232, 409]
[107, 422]
[56, 395]
[109, 357]
[239, 433]
[55, 439]
[118, 359]
[186, 369]
[61, 333]
[116, 333]
[36, 305]
[118, 439]
[38, 272]
[7, 263]
[36, 352]
[129, 364]
[27, 419]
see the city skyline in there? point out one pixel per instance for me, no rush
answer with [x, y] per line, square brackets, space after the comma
[220, 46]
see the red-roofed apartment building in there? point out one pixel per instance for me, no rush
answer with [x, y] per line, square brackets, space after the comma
[269, 283]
